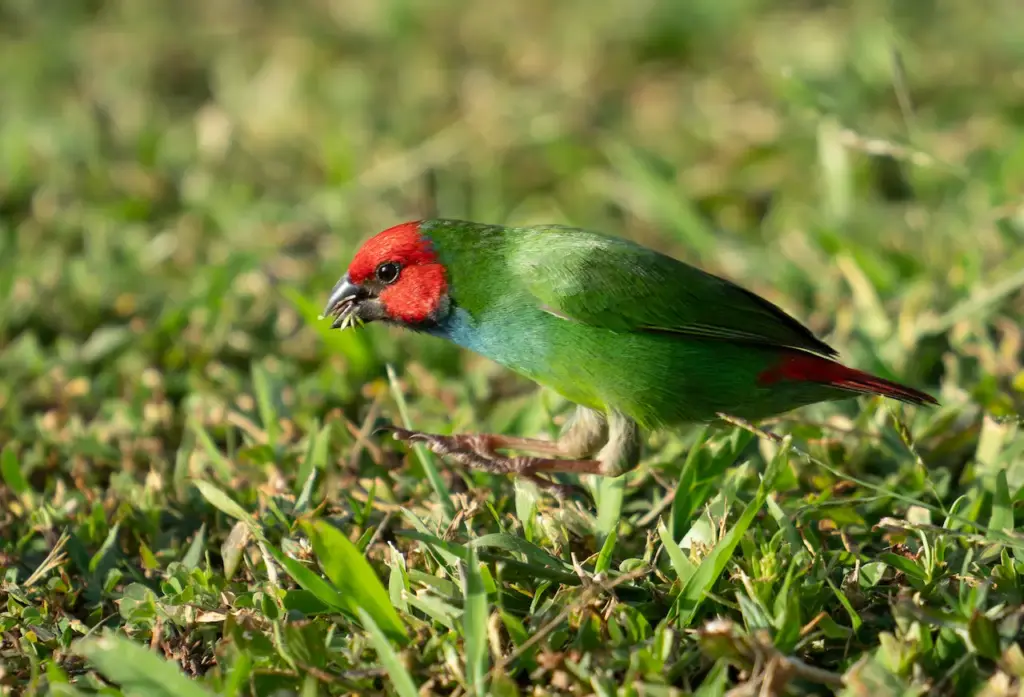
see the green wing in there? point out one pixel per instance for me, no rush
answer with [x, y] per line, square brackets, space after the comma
[616, 284]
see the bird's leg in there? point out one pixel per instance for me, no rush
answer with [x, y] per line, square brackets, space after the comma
[622, 451]
[580, 437]
[620, 454]
[480, 450]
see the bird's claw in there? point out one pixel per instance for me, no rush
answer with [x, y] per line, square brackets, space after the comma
[398, 433]
[472, 451]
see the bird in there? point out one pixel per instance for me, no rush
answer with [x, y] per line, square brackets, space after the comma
[636, 339]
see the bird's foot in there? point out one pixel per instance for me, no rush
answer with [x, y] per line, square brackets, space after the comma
[478, 451]
[487, 443]
[463, 449]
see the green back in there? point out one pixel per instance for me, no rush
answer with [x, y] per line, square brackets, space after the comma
[610, 283]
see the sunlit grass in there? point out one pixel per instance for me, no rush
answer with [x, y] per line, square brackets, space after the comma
[192, 498]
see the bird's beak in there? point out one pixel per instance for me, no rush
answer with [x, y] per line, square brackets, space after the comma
[343, 303]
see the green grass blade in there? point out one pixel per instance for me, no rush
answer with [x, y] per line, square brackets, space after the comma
[662, 199]
[604, 557]
[314, 461]
[309, 580]
[681, 563]
[139, 671]
[450, 551]
[712, 566]
[10, 471]
[220, 463]
[425, 457]
[354, 578]
[609, 494]
[224, 503]
[474, 625]
[398, 581]
[194, 556]
[445, 557]
[1002, 507]
[689, 497]
[511, 543]
[715, 682]
[265, 403]
[400, 678]
[786, 525]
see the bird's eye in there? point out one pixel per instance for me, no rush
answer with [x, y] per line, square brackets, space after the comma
[388, 272]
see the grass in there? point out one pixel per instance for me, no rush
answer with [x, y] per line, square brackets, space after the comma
[192, 502]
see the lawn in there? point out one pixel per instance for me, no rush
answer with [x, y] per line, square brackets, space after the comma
[192, 501]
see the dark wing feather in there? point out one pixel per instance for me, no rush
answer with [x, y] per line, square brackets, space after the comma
[616, 284]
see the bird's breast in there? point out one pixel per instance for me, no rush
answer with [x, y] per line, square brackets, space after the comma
[500, 334]
[528, 342]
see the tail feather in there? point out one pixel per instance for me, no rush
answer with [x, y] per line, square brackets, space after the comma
[805, 367]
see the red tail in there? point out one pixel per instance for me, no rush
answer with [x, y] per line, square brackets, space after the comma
[809, 368]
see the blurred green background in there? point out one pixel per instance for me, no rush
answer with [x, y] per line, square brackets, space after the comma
[182, 183]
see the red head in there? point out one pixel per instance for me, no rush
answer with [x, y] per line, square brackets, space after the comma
[395, 276]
